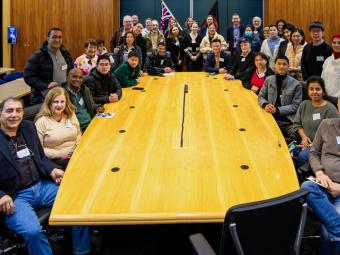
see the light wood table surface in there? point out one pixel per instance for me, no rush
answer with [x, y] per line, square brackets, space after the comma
[4, 70]
[16, 88]
[160, 182]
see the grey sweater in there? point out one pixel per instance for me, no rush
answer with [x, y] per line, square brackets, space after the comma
[309, 117]
[325, 152]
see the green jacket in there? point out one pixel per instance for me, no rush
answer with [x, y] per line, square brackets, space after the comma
[126, 75]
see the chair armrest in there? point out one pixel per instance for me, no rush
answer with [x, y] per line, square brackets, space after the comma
[201, 245]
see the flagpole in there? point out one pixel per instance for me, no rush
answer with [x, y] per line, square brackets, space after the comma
[191, 8]
[172, 14]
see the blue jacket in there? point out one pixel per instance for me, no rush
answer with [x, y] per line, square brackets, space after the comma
[9, 173]
[225, 62]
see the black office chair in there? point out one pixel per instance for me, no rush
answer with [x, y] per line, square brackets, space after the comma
[12, 243]
[273, 226]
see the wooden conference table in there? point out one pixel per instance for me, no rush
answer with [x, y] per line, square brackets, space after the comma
[158, 181]
[16, 88]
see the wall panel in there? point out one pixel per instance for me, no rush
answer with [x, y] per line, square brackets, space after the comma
[302, 12]
[79, 20]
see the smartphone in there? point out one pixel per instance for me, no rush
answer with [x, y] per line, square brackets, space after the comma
[138, 88]
[313, 179]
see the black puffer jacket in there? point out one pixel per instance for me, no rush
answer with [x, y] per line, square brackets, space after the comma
[38, 72]
[102, 86]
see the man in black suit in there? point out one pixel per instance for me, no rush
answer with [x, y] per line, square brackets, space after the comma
[28, 179]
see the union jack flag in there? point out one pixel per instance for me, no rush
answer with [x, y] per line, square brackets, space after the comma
[166, 16]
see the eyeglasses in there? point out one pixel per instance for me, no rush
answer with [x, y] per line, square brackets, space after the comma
[54, 37]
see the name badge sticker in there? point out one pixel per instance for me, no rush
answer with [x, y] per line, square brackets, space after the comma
[23, 153]
[162, 62]
[243, 59]
[81, 101]
[338, 139]
[68, 124]
[320, 58]
[316, 116]
[261, 75]
[221, 59]
[63, 67]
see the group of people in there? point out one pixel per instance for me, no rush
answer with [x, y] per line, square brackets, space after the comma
[273, 62]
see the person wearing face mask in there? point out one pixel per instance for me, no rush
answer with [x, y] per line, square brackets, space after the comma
[58, 127]
[88, 60]
[254, 41]
[191, 45]
[310, 114]
[314, 53]
[331, 69]
[270, 45]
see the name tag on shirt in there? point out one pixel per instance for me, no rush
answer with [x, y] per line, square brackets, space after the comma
[63, 67]
[261, 75]
[338, 139]
[193, 41]
[68, 124]
[81, 101]
[162, 62]
[316, 116]
[243, 59]
[320, 58]
[23, 153]
[221, 59]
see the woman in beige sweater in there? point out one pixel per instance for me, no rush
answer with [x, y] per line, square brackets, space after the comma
[57, 126]
[294, 52]
[205, 46]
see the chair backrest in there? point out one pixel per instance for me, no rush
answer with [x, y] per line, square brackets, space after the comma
[273, 226]
[13, 76]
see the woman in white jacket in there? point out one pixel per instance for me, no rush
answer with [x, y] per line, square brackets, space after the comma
[331, 69]
[271, 44]
[205, 46]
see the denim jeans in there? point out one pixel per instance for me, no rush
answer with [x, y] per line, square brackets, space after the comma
[303, 157]
[327, 209]
[25, 222]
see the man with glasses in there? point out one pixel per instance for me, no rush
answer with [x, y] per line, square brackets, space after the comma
[315, 53]
[48, 67]
[117, 38]
[103, 84]
[29, 180]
